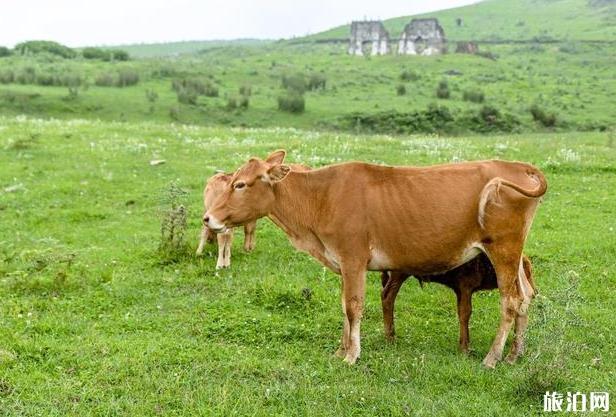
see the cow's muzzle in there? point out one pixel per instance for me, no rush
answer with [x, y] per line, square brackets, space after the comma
[213, 224]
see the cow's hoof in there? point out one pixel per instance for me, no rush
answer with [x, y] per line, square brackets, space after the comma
[340, 353]
[222, 266]
[511, 358]
[351, 356]
[490, 362]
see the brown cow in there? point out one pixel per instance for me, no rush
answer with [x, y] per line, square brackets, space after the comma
[214, 188]
[355, 217]
[477, 274]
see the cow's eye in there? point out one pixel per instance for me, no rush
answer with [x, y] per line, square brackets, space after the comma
[239, 185]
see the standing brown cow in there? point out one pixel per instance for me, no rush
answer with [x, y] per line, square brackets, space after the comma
[476, 275]
[355, 217]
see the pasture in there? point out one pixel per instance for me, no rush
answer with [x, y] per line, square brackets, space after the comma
[96, 319]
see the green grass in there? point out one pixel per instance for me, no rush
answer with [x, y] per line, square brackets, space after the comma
[94, 320]
[499, 20]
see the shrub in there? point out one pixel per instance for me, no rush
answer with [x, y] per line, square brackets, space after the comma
[37, 47]
[26, 76]
[187, 96]
[95, 53]
[292, 103]
[245, 90]
[407, 75]
[294, 83]
[7, 77]
[401, 90]
[127, 77]
[476, 96]
[317, 82]
[105, 80]
[244, 102]
[232, 103]
[4, 51]
[543, 117]
[118, 55]
[442, 91]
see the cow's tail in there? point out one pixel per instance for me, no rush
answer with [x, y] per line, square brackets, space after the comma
[491, 190]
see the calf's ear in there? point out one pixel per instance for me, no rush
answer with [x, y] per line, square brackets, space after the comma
[276, 157]
[278, 172]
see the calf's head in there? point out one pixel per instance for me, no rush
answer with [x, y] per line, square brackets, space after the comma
[249, 194]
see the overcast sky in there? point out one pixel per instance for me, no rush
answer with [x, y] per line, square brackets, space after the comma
[109, 22]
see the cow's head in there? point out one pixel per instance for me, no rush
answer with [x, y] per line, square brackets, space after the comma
[250, 193]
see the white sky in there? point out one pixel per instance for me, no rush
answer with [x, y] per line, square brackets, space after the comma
[109, 22]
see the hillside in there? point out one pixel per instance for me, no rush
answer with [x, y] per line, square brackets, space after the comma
[497, 20]
[152, 50]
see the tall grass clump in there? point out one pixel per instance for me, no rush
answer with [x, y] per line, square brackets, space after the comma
[292, 102]
[546, 119]
[475, 96]
[407, 75]
[173, 222]
[127, 77]
[316, 82]
[294, 83]
[401, 89]
[442, 91]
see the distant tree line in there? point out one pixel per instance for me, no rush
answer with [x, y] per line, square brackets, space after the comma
[63, 51]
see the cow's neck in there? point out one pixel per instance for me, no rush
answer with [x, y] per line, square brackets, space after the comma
[295, 206]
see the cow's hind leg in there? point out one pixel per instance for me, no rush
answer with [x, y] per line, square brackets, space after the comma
[344, 340]
[511, 301]
[391, 282]
[249, 236]
[521, 320]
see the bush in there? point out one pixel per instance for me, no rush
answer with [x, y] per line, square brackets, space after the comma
[294, 83]
[401, 90]
[7, 77]
[407, 75]
[127, 77]
[475, 96]
[37, 47]
[317, 82]
[118, 55]
[105, 80]
[186, 96]
[442, 91]
[245, 90]
[95, 53]
[4, 51]
[26, 76]
[543, 117]
[292, 103]
[489, 119]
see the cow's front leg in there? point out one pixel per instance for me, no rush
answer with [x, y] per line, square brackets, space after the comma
[353, 293]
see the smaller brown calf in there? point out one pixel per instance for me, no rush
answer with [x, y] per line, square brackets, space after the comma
[213, 189]
[478, 274]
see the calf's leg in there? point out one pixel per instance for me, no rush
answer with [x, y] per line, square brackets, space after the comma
[249, 236]
[465, 309]
[391, 282]
[224, 249]
[205, 233]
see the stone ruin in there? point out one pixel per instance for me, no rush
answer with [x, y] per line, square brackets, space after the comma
[368, 38]
[422, 37]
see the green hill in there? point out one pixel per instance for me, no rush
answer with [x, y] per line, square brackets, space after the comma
[152, 50]
[497, 20]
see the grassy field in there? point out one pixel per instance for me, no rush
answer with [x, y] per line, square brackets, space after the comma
[574, 82]
[95, 320]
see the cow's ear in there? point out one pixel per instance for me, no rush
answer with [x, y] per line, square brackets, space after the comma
[278, 172]
[276, 157]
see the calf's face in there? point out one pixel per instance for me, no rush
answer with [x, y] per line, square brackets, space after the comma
[249, 195]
